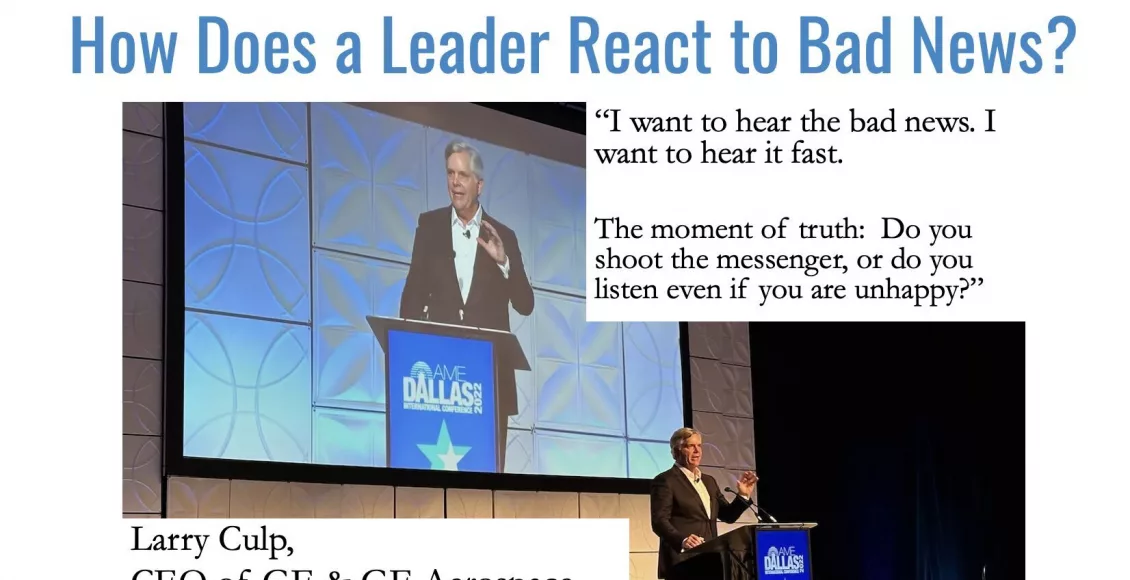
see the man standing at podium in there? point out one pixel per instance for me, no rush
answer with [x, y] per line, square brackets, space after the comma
[467, 269]
[686, 504]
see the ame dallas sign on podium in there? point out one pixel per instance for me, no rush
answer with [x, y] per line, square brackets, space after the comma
[756, 551]
[441, 393]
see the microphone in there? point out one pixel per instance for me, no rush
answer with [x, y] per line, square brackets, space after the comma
[467, 234]
[753, 505]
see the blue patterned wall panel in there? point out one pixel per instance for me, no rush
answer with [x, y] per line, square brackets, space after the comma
[645, 460]
[247, 388]
[247, 243]
[349, 361]
[522, 327]
[274, 129]
[369, 174]
[577, 365]
[557, 200]
[653, 379]
[520, 456]
[576, 454]
[344, 437]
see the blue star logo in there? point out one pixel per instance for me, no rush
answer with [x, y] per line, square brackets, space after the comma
[444, 454]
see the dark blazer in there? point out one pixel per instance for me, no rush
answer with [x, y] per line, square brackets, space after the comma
[677, 512]
[433, 283]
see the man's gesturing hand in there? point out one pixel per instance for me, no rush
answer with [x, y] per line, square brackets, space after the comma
[493, 243]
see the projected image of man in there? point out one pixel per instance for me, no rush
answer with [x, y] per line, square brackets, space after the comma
[467, 268]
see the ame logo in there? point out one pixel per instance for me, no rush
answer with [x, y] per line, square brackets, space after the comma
[783, 560]
[442, 388]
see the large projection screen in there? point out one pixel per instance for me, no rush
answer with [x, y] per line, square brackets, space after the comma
[300, 221]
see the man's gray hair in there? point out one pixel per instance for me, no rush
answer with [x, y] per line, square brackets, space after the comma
[465, 147]
[680, 438]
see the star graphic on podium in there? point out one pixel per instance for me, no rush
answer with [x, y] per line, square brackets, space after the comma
[444, 454]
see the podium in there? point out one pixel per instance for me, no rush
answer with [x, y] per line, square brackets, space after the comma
[763, 551]
[441, 397]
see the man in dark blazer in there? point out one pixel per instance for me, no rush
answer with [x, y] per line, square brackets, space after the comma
[467, 269]
[686, 504]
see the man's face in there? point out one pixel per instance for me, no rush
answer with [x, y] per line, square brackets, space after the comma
[692, 452]
[463, 187]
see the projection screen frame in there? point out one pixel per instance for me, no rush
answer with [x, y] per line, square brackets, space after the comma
[176, 464]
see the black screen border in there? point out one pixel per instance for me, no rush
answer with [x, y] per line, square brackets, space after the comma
[176, 464]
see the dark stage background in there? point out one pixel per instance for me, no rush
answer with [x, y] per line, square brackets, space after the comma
[903, 441]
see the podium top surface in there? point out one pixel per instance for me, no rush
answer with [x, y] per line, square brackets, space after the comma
[740, 538]
[506, 344]
[423, 325]
[784, 525]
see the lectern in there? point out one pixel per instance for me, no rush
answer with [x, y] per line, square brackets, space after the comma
[764, 551]
[441, 396]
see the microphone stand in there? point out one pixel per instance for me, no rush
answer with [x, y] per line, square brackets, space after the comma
[750, 503]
